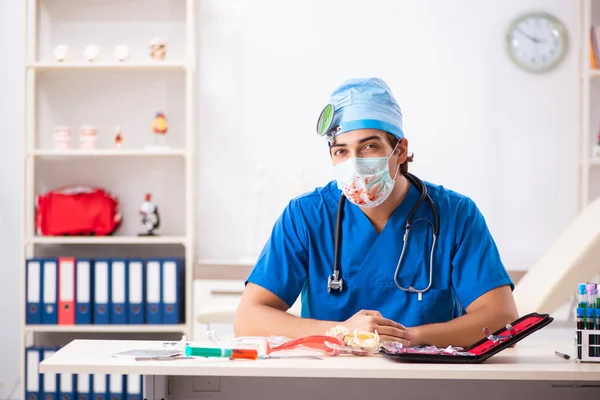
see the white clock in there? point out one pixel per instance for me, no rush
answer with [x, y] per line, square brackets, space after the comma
[537, 42]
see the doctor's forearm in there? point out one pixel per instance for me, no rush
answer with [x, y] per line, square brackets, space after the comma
[462, 331]
[263, 320]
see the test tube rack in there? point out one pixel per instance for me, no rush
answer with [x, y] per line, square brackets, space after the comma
[587, 345]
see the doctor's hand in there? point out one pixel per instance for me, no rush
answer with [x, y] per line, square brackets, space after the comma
[371, 321]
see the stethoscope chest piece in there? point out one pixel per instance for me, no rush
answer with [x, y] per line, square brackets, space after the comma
[334, 282]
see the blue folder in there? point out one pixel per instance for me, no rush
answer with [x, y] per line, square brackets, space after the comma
[84, 387]
[101, 291]
[173, 294]
[33, 291]
[84, 273]
[135, 282]
[33, 379]
[153, 292]
[50, 381]
[118, 291]
[49, 291]
[67, 385]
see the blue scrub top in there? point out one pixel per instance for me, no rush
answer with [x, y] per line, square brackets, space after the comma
[298, 258]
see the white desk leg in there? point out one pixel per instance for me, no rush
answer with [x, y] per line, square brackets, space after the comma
[156, 387]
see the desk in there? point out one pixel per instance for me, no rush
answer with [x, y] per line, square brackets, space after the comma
[530, 370]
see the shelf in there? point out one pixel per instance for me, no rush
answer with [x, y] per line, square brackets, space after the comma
[105, 328]
[107, 153]
[107, 240]
[120, 66]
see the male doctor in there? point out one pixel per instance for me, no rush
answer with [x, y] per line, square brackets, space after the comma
[468, 287]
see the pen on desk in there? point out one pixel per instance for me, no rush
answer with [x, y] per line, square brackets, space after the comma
[565, 356]
[163, 358]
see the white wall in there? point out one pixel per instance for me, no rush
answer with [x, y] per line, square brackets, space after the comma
[11, 114]
[476, 123]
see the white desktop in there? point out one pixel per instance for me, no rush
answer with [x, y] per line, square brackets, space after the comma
[529, 369]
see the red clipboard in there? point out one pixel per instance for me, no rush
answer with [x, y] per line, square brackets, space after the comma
[491, 344]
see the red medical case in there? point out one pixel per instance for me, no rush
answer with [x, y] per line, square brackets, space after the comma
[491, 344]
[77, 210]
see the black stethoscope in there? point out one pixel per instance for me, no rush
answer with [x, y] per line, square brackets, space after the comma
[335, 282]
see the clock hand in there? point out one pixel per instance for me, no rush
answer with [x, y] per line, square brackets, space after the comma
[533, 39]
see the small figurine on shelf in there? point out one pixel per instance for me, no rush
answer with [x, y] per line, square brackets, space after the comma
[158, 49]
[122, 52]
[91, 52]
[61, 52]
[118, 138]
[87, 137]
[160, 128]
[150, 216]
[62, 137]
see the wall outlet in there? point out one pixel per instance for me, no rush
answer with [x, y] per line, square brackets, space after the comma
[207, 384]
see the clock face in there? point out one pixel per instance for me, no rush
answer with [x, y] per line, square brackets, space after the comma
[537, 42]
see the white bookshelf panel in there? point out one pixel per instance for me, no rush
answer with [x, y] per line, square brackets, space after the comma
[109, 99]
[99, 240]
[108, 23]
[129, 179]
[109, 153]
[121, 250]
[109, 65]
[105, 328]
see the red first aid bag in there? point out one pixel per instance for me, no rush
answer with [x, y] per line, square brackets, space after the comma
[77, 210]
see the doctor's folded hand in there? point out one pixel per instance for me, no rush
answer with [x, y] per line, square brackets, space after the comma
[377, 238]
[373, 321]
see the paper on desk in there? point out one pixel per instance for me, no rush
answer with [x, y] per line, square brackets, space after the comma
[147, 353]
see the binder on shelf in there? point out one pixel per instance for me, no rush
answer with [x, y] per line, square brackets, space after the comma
[99, 391]
[66, 291]
[172, 291]
[49, 295]
[84, 385]
[83, 291]
[33, 290]
[134, 387]
[50, 381]
[70, 290]
[32, 377]
[153, 292]
[67, 387]
[102, 291]
[135, 300]
[118, 297]
[116, 386]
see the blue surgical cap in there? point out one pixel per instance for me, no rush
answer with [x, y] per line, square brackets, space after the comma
[365, 103]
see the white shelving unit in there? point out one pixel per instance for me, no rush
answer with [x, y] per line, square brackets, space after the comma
[589, 169]
[106, 94]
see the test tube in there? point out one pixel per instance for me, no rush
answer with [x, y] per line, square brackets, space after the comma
[581, 296]
[590, 327]
[597, 328]
[597, 303]
[591, 315]
[580, 327]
